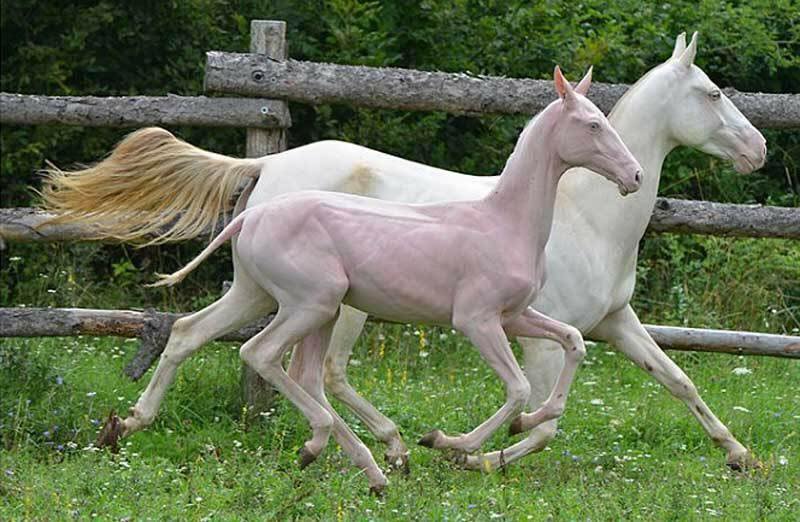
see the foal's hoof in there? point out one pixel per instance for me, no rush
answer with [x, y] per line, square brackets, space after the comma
[429, 439]
[398, 462]
[516, 426]
[110, 433]
[744, 462]
[306, 457]
[378, 490]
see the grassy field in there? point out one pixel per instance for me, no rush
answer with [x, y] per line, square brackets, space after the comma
[627, 450]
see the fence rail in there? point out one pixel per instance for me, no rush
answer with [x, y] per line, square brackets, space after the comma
[407, 89]
[140, 111]
[153, 327]
[669, 215]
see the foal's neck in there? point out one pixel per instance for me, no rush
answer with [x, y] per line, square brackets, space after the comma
[525, 194]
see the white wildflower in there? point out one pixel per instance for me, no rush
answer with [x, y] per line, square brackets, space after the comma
[741, 371]
[596, 402]
[741, 408]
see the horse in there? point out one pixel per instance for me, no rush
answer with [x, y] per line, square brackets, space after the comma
[474, 265]
[674, 104]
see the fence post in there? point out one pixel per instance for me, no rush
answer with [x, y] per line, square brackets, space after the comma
[266, 37]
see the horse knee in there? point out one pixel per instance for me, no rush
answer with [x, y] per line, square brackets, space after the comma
[518, 393]
[573, 344]
[335, 381]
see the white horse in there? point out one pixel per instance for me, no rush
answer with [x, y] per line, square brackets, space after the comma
[674, 104]
[475, 265]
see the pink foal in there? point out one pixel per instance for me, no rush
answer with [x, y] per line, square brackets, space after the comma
[475, 265]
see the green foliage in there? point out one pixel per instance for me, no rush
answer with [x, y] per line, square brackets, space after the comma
[625, 450]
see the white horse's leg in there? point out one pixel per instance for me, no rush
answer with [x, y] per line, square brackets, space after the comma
[264, 353]
[624, 330]
[345, 335]
[490, 339]
[242, 304]
[305, 369]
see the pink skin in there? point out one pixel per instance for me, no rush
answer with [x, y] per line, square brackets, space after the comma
[475, 265]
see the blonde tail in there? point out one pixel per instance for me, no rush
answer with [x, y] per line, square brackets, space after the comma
[153, 188]
[176, 277]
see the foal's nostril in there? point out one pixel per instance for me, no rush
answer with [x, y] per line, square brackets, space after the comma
[638, 177]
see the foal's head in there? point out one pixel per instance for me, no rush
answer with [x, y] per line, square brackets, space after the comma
[702, 117]
[585, 138]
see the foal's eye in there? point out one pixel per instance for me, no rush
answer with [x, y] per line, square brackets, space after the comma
[594, 126]
[715, 95]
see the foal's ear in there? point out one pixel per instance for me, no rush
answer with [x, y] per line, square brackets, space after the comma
[687, 58]
[583, 86]
[563, 88]
[680, 46]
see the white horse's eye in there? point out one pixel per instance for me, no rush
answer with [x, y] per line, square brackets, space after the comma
[594, 126]
[715, 95]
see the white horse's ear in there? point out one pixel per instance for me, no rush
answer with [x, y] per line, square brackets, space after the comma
[583, 86]
[687, 58]
[563, 88]
[680, 46]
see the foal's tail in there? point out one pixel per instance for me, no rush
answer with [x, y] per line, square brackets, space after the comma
[232, 229]
[153, 188]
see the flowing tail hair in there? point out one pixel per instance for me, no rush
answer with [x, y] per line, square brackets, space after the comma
[153, 188]
[232, 229]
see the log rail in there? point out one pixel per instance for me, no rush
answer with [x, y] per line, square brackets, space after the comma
[669, 215]
[413, 90]
[153, 327]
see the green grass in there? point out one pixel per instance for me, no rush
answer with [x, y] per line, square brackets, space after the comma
[627, 450]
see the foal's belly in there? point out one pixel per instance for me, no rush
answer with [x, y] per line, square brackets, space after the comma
[403, 290]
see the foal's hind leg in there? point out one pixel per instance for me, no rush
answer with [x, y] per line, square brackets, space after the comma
[345, 334]
[306, 370]
[264, 353]
[242, 304]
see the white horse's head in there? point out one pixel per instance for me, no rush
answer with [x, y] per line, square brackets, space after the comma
[702, 117]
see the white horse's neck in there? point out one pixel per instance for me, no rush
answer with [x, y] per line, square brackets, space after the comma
[526, 191]
[639, 118]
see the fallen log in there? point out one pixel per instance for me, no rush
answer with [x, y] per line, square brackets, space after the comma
[409, 89]
[153, 327]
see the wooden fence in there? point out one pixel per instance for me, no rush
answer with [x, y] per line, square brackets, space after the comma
[267, 73]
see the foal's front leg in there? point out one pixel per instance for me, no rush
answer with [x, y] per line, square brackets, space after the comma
[543, 420]
[490, 339]
[535, 324]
